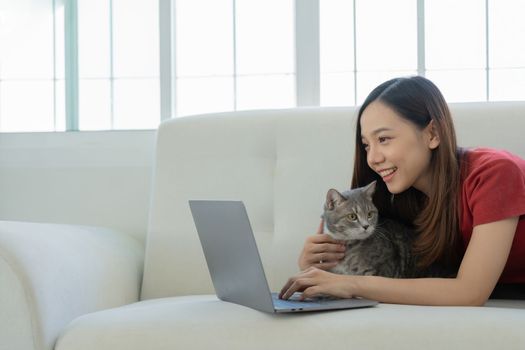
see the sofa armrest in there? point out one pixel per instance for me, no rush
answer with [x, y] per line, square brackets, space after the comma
[51, 274]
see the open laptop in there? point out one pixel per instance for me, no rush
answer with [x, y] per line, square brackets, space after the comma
[235, 265]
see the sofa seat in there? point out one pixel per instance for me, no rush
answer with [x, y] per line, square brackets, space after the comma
[196, 322]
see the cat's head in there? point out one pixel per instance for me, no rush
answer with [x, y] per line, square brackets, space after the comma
[351, 215]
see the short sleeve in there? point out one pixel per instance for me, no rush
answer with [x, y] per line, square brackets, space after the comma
[496, 191]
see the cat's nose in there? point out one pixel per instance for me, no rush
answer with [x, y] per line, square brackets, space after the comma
[365, 226]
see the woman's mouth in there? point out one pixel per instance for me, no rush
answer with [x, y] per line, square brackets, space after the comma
[387, 174]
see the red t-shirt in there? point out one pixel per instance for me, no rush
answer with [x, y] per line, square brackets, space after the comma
[493, 189]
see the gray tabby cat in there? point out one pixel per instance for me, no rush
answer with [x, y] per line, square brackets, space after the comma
[374, 245]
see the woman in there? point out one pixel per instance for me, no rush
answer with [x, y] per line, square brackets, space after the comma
[468, 206]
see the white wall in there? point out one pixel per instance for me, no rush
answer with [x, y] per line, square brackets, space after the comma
[89, 178]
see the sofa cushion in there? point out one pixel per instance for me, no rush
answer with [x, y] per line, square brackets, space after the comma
[203, 322]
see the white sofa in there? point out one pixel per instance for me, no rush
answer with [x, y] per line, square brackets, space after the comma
[70, 287]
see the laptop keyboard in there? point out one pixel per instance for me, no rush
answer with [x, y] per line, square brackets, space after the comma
[294, 303]
[290, 304]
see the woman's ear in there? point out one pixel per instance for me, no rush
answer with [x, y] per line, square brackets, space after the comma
[432, 135]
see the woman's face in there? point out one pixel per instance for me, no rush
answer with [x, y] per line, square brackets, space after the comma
[396, 149]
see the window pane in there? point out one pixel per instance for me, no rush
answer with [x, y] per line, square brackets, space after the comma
[204, 37]
[337, 89]
[266, 92]
[203, 95]
[93, 38]
[507, 84]
[386, 35]
[265, 36]
[507, 33]
[337, 52]
[136, 47]
[137, 103]
[460, 85]
[60, 70]
[94, 104]
[367, 81]
[26, 45]
[455, 38]
[336, 36]
[60, 105]
[27, 106]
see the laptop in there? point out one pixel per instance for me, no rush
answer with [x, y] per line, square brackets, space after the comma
[235, 265]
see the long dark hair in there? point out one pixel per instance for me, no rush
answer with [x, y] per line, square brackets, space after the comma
[436, 217]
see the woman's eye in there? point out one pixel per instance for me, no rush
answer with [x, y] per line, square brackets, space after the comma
[382, 139]
[352, 217]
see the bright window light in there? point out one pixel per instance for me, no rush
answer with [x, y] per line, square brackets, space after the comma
[225, 55]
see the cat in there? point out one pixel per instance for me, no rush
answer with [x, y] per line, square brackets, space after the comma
[374, 245]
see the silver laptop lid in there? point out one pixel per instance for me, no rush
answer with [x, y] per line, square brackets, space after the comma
[231, 253]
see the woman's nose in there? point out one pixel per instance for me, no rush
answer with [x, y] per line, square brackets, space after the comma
[374, 156]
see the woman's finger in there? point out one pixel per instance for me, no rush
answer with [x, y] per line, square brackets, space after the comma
[289, 288]
[294, 284]
[320, 229]
[323, 238]
[311, 292]
[326, 257]
[326, 265]
[326, 248]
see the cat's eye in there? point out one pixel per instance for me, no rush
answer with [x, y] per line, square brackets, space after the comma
[352, 217]
[370, 214]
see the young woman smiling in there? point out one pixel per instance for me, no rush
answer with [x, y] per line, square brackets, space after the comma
[467, 205]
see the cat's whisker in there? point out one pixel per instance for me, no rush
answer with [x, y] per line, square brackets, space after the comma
[382, 234]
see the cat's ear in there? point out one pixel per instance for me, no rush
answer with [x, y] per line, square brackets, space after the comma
[333, 198]
[370, 189]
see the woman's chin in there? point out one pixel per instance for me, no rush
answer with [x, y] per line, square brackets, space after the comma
[393, 189]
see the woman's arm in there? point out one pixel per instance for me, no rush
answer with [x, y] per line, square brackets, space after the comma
[479, 272]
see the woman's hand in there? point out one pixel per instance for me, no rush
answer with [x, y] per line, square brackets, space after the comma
[314, 282]
[321, 251]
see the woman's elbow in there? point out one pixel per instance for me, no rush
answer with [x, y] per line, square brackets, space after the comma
[476, 298]
[477, 302]
[471, 294]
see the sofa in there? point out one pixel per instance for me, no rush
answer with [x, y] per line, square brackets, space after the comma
[77, 287]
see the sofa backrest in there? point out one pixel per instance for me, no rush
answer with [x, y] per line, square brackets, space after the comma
[280, 163]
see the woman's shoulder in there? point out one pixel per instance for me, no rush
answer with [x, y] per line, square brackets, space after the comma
[493, 185]
[491, 160]
[483, 164]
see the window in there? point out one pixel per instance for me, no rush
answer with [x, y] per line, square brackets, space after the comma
[111, 72]
[374, 44]
[455, 48]
[31, 83]
[235, 55]
[507, 50]
[118, 64]
[472, 53]
[128, 64]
